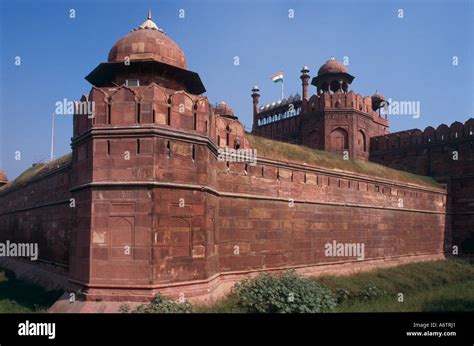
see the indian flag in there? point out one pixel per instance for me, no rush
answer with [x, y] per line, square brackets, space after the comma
[278, 77]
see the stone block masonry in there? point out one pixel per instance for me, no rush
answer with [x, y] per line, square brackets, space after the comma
[156, 210]
[39, 212]
[447, 154]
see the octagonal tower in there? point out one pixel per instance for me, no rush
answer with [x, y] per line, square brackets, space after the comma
[151, 138]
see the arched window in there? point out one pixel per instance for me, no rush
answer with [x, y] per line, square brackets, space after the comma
[168, 114]
[334, 85]
[227, 135]
[325, 86]
[109, 113]
[361, 141]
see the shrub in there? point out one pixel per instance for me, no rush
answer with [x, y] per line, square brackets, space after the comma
[284, 293]
[124, 308]
[343, 295]
[161, 304]
[370, 292]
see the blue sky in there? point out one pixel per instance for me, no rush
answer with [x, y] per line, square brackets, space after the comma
[408, 59]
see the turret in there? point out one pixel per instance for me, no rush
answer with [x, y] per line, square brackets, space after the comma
[304, 82]
[255, 97]
[332, 77]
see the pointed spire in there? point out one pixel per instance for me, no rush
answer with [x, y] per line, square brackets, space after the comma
[149, 23]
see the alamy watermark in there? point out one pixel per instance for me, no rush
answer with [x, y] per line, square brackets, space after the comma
[9, 249]
[336, 249]
[28, 328]
[67, 107]
[238, 155]
[393, 107]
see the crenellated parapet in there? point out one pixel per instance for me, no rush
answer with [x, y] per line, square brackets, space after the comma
[445, 153]
[344, 101]
[147, 105]
[294, 106]
[279, 110]
[443, 134]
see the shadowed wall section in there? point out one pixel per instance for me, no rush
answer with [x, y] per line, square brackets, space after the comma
[38, 211]
[447, 154]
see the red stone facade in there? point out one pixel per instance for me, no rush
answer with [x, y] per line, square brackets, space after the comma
[39, 212]
[445, 153]
[155, 210]
[334, 119]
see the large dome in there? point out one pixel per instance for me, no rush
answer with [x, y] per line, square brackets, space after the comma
[332, 66]
[148, 42]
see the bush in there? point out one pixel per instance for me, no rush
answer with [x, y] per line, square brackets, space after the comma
[161, 304]
[370, 292]
[124, 308]
[343, 295]
[284, 293]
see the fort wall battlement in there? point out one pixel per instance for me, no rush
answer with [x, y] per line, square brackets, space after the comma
[429, 137]
[235, 217]
[445, 153]
[156, 208]
[38, 211]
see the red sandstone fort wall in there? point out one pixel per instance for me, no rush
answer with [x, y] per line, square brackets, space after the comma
[428, 152]
[39, 212]
[173, 214]
[156, 210]
[445, 153]
[255, 214]
[191, 217]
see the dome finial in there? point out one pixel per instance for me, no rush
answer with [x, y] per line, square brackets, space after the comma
[149, 23]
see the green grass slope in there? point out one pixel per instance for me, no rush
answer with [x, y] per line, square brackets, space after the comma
[290, 152]
[37, 170]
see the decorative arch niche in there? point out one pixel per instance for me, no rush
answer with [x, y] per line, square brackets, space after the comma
[361, 141]
[339, 139]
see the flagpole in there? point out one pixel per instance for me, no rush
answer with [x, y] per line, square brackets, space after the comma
[52, 140]
[282, 95]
